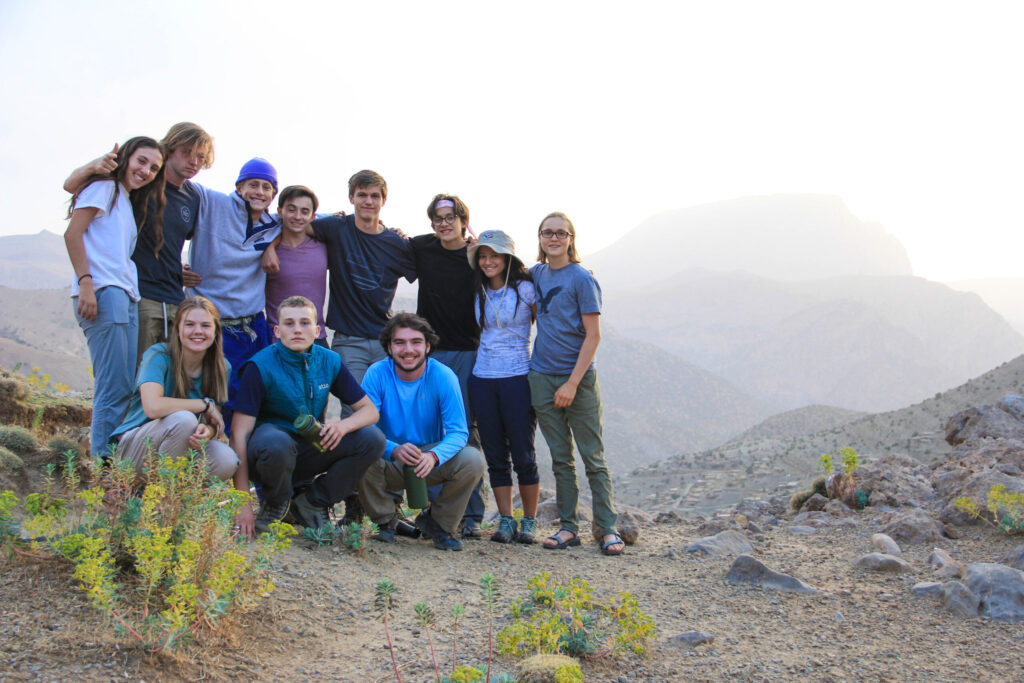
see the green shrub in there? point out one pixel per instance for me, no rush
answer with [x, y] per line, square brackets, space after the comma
[59, 446]
[9, 461]
[167, 566]
[1005, 509]
[13, 389]
[18, 439]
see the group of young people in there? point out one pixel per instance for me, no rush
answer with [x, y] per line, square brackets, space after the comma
[184, 356]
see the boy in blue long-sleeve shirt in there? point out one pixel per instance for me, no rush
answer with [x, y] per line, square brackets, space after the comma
[424, 421]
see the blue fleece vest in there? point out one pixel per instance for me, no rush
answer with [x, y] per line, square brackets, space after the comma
[295, 383]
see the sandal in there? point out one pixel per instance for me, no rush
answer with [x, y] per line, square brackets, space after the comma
[614, 540]
[561, 544]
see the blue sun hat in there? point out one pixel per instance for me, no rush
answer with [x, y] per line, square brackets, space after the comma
[258, 168]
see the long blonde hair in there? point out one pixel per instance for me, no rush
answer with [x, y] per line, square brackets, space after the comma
[215, 372]
[571, 250]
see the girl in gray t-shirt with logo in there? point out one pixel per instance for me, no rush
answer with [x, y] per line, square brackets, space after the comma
[563, 382]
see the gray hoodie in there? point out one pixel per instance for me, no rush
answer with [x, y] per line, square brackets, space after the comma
[226, 251]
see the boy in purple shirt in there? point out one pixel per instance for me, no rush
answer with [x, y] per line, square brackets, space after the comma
[302, 260]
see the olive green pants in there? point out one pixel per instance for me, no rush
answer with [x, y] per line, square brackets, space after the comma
[580, 420]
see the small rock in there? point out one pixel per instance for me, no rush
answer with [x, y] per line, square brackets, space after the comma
[670, 517]
[880, 562]
[838, 508]
[958, 599]
[927, 588]
[945, 566]
[694, 638]
[671, 552]
[800, 530]
[746, 569]
[815, 503]
[755, 529]
[883, 543]
[723, 544]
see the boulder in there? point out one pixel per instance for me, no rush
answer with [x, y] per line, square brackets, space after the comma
[958, 599]
[982, 422]
[880, 562]
[746, 569]
[976, 486]
[1013, 405]
[999, 588]
[818, 519]
[1014, 558]
[723, 544]
[895, 481]
[547, 512]
[912, 526]
[884, 544]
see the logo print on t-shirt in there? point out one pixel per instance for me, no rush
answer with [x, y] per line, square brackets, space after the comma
[186, 214]
[548, 296]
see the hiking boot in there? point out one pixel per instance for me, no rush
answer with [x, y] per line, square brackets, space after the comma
[506, 530]
[527, 528]
[353, 512]
[445, 541]
[471, 529]
[309, 515]
[268, 514]
[385, 533]
[426, 524]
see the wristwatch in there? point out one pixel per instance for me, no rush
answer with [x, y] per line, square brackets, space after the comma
[206, 409]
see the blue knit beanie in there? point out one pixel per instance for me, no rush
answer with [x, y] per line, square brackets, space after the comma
[258, 168]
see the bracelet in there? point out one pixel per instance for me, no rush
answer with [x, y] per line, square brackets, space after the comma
[84, 275]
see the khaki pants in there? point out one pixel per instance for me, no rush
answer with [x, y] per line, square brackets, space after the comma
[169, 435]
[457, 477]
[155, 321]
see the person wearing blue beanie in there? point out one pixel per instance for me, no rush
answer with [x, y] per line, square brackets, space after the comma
[260, 169]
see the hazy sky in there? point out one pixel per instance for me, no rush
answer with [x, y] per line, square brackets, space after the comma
[611, 112]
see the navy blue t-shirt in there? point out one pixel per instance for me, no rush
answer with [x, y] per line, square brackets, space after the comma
[364, 272]
[160, 276]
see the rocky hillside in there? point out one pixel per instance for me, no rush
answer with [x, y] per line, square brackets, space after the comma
[760, 463]
[38, 261]
[862, 343]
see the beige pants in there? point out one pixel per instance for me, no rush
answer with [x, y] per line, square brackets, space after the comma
[458, 476]
[155, 321]
[170, 435]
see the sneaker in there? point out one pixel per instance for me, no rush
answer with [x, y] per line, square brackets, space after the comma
[527, 528]
[269, 514]
[426, 524]
[445, 541]
[506, 530]
[385, 533]
[471, 529]
[309, 515]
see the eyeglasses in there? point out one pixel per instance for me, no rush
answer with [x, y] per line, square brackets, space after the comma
[555, 234]
[447, 220]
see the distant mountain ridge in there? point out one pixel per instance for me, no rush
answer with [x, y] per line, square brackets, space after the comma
[780, 237]
[38, 261]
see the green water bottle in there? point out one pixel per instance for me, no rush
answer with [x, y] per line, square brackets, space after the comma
[415, 489]
[309, 428]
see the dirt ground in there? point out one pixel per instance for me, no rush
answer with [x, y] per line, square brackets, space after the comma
[320, 623]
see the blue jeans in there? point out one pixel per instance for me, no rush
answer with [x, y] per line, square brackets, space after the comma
[113, 339]
[461, 363]
[240, 346]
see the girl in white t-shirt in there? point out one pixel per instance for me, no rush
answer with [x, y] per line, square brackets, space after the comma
[104, 217]
[506, 304]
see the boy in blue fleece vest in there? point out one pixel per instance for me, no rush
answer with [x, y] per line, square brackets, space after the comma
[290, 378]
